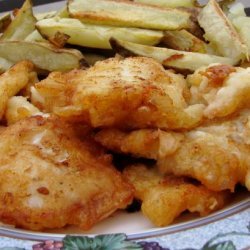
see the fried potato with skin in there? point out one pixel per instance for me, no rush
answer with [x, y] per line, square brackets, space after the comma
[184, 41]
[182, 61]
[18, 107]
[169, 3]
[5, 20]
[49, 178]
[13, 80]
[45, 56]
[22, 25]
[222, 88]
[128, 93]
[165, 197]
[217, 154]
[128, 14]
[220, 32]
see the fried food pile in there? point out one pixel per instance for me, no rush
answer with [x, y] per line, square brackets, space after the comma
[56, 165]
[49, 178]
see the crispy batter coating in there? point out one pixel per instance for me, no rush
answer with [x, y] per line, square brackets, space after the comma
[222, 88]
[2, 128]
[13, 80]
[218, 155]
[49, 178]
[165, 197]
[147, 143]
[134, 92]
[18, 107]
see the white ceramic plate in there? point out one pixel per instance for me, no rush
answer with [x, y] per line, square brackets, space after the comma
[135, 225]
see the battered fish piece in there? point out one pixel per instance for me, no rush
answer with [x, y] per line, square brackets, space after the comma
[222, 88]
[49, 178]
[135, 92]
[2, 128]
[164, 198]
[147, 143]
[217, 155]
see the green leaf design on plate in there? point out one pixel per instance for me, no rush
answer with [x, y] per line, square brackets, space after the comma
[226, 245]
[100, 242]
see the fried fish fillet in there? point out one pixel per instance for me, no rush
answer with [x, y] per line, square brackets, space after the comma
[129, 93]
[218, 155]
[222, 88]
[165, 197]
[49, 178]
[2, 128]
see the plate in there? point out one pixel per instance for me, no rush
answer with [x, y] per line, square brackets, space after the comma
[134, 225]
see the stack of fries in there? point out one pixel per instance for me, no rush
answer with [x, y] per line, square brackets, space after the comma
[179, 34]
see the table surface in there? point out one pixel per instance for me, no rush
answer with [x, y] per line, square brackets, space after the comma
[195, 238]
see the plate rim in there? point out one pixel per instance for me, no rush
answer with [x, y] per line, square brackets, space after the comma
[171, 229]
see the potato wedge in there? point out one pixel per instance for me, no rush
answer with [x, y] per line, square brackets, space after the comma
[4, 65]
[169, 3]
[5, 20]
[183, 40]
[45, 15]
[18, 107]
[63, 13]
[12, 81]
[44, 56]
[170, 58]
[220, 32]
[95, 36]
[129, 14]
[236, 10]
[22, 25]
[242, 25]
[92, 58]
[35, 36]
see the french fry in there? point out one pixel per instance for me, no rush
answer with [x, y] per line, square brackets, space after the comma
[242, 25]
[63, 13]
[35, 36]
[18, 107]
[5, 20]
[45, 15]
[22, 25]
[95, 36]
[183, 40]
[92, 58]
[180, 60]
[236, 10]
[44, 56]
[4, 65]
[220, 32]
[169, 3]
[12, 81]
[129, 14]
